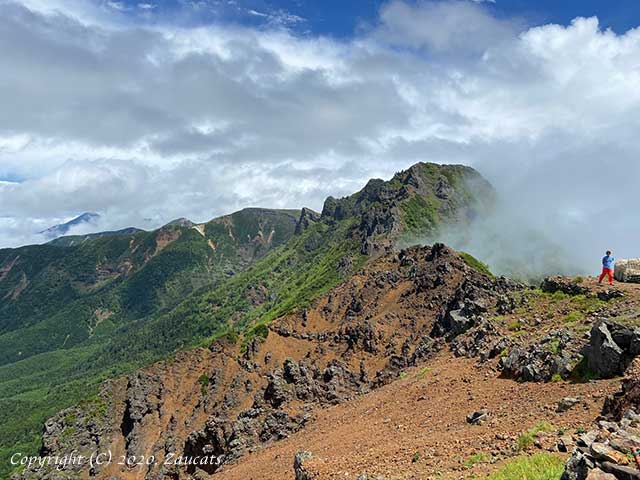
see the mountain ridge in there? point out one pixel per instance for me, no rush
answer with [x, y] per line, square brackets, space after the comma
[234, 273]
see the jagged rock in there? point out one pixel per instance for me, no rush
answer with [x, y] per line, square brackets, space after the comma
[612, 346]
[483, 341]
[578, 466]
[564, 285]
[556, 353]
[278, 391]
[307, 218]
[299, 468]
[566, 403]
[610, 294]
[144, 397]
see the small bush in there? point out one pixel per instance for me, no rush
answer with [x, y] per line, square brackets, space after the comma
[416, 457]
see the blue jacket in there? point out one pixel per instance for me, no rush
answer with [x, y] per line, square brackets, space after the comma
[608, 261]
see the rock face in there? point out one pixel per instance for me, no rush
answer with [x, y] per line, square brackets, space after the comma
[556, 354]
[612, 346]
[606, 453]
[627, 270]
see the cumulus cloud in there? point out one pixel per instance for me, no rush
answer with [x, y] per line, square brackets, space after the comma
[147, 123]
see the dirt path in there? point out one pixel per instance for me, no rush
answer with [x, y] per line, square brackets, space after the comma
[424, 415]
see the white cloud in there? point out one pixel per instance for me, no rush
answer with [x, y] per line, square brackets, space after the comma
[164, 122]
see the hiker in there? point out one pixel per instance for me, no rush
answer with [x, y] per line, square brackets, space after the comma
[607, 267]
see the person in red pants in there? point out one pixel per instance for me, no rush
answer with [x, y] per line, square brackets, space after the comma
[607, 267]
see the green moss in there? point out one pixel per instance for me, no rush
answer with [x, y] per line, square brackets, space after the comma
[542, 466]
[476, 264]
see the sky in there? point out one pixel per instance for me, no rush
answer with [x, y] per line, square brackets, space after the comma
[145, 111]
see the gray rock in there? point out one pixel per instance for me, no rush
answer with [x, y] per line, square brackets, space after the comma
[299, 468]
[479, 417]
[566, 403]
[605, 357]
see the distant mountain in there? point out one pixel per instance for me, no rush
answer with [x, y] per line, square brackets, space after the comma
[72, 240]
[87, 218]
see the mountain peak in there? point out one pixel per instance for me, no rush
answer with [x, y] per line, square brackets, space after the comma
[63, 228]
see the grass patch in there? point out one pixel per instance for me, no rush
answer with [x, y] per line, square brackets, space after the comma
[514, 326]
[527, 439]
[477, 458]
[423, 372]
[574, 317]
[476, 264]
[542, 466]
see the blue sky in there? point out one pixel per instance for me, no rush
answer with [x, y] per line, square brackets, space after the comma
[341, 18]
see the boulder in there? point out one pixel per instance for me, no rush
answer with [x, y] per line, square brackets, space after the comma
[566, 403]
[612, 346]
[627, 270]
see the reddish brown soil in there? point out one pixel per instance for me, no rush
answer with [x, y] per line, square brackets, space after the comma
[425, 414]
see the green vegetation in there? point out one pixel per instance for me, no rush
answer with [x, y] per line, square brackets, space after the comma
[556, 377]
[415, 458]
[527, 439]
[420, 215]
[573, 317]
[542, 466]
[477, 458]
[514, 326]
[203, 380]
[476, 264]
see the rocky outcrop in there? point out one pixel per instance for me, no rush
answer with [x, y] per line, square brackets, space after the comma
[606, 452]
[556, 354]
[564, 285]
[307, 218]
[612, 346]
